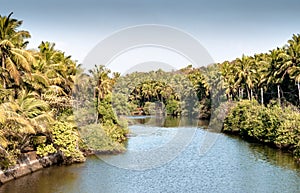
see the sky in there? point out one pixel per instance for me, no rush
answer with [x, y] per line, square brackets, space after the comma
[226, 29]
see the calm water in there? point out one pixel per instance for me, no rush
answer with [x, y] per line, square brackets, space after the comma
[231, 165]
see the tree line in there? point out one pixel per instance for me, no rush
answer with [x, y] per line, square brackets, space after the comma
[50, 104]
[265, 76]
[263, 96]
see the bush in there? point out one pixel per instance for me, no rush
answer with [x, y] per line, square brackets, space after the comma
[173, 107]
[65, 139]
[95, 137]
[273, 124]
[9, 158]
[114, 128]
[44, 150]
[114, 131]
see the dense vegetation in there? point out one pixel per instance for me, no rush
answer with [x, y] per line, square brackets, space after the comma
[272, 79]
[265, 76]
[179, 93]
[273, 125]
[49, 104]
[36, 100]
[99, 125]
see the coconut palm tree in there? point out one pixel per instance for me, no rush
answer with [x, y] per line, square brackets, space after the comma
[277, 72]
[102, 85]
[246, 74]
[228, 72]
[59, 69]
[24, 117]
[293, 63]
[15, 61]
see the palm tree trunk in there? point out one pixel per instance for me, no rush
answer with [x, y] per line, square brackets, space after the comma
[242, 93]
[298, 91]
[262, 96]
[3, 67]
[97, 102]
[248, 93]
[278, 94]
[251, 94]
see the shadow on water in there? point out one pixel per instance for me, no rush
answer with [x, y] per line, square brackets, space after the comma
[52, 179]
[271, 155]
[233, 165]
[274, 156]
[168, 121]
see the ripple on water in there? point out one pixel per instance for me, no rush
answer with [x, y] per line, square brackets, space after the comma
[231, 165]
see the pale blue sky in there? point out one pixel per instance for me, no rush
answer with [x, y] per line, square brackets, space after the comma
[227, 29]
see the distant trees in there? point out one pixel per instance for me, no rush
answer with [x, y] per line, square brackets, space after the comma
[273, 75]
[184, 92]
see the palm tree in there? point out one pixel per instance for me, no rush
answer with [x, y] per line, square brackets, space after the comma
[59, 69]
[102, 85]
[25, 116]
[293, 51]
[262, 64]
[277, 59]
[246, 74]
[228, 72]
[15, 61]
[54, 76]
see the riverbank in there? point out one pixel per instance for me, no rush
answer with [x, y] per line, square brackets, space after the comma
[29, 163]
[232, 165]
[274, 125]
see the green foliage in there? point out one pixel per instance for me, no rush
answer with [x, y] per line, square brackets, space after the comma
[96, 138]
[65, 139]
[173, 108]
[188, 87]
[44, 150]
[99, 111]
[121, 106]
[38, 140]
[9, 158]
[271, 124]
[36, 98]
[106, 111]
[288, 132]
[115, 131]
[85, 116]
[267, 76]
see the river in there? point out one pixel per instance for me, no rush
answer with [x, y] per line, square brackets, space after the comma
[230, 165]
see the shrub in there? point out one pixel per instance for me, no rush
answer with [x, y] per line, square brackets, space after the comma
[65, 139]
[173, 107]
[95, 137]
[271, 124]
[44, 150]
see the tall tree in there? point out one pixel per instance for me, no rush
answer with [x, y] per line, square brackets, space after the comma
[15, 61]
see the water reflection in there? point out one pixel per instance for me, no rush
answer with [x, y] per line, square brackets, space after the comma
[274, 156]
[271, 155]
[168, 121]
[232, 165]
[53, 179]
